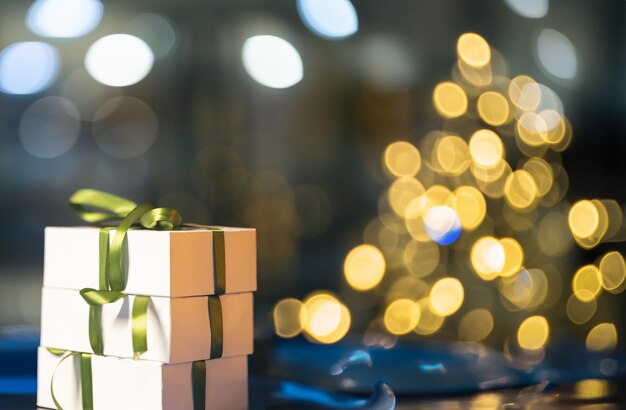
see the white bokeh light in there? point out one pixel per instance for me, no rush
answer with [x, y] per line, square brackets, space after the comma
[533, 9]
[49, 127]
[557, 55]
[155, 30]
[442, 224]
[64, 18]
[332, 19]
[272, 61]
[119, 60]
[28, 67]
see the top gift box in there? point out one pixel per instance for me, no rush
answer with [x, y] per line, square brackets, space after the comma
[156, 263]
[145, 250]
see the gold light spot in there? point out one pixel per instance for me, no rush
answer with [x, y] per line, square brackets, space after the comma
[364, 267]
[470, 206]
[493, 108]
[513, 257]
[477, 77]
[407, 287]
[451, 155]
[602, 337]
[421, 258]
[587, 283]
[402, 191]
[402, 159]
[533, 333]
[583, 219]
[531, 129]
[430, 322]
[325, 319]
[553, 236]
[520, 190]
[446, 296]
[541, 172]
[580, 312]
[473, 50]
[287, 317]
[613, 270]
[476, 325]
[450, 100]
[401, 316]
[591, 389]
[486, 148]
[487, 257]
[524, 92]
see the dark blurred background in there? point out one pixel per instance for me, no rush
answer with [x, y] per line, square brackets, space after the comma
[302, 164]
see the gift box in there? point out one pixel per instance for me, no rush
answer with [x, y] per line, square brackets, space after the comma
[120, 384]
[176, 263]
[177, 329]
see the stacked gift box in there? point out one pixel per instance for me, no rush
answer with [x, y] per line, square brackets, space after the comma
[174, 334]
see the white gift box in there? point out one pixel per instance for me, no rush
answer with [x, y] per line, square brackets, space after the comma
[175, 263]
[120, 384]
[178, 329]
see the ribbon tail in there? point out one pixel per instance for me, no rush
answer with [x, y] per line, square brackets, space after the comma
[198, 384]
[216, 324]
[86, 381]
[95, 329]
[116, 279]
[140, 325]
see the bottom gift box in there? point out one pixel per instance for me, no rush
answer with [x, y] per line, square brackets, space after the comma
[140, 384]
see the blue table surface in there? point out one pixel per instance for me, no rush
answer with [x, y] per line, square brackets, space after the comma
[298, 374]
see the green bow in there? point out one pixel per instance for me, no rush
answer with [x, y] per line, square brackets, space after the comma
[108, 207]
[98, 298]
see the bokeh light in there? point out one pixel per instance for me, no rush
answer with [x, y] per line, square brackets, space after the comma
[156, 30]
[473, 50]
[486, 148]
[487, 257]
[557, 54]
[119, 60]
[533, 333]
[471, 207]
[364, 267]
[125, 127]
[591, 389]
[272, 61]
[430, 321]
[613, 271]
[450, 100]
[49, 127]
[287, 314]
[402, 159]
[476, 325]
[587, 283]
[446, 296]
[324, 318]
[493, 108]
[401, 316]
[602, 337]
[534, 9]
[442, 224]
[579, 311]
[64, 18]
[520, 190]
[28, 67]
[331, 19]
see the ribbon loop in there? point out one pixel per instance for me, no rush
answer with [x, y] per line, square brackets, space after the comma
[111, 206]
[165, 219]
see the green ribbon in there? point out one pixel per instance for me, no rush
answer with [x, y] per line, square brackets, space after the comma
[97, 206]
[216, 324]
[86, 381]
[98, 298]
[198, 384]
